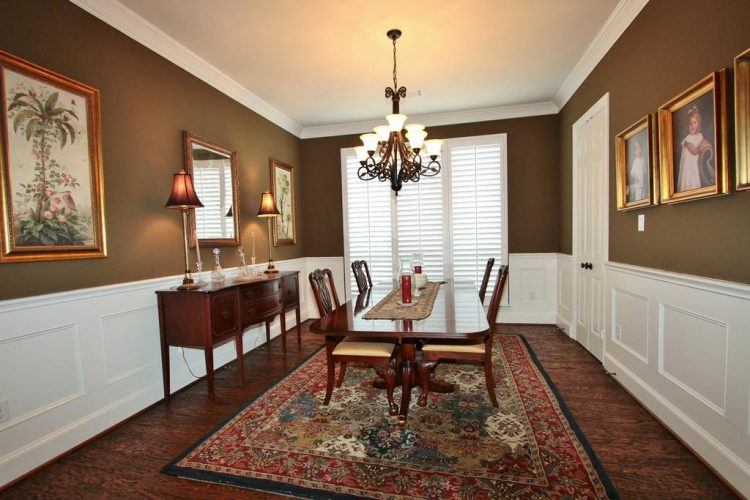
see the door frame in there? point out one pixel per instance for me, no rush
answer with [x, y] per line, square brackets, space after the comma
[601, 105]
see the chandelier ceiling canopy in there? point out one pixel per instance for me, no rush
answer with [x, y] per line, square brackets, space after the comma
[386, 155]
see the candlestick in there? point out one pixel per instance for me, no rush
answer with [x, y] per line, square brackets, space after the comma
[253, 235]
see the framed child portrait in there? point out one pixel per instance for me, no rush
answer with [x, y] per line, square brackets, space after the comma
[693, 142]
[635, 166]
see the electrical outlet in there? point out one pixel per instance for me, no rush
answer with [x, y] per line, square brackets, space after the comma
[4, 411]
[618, 333]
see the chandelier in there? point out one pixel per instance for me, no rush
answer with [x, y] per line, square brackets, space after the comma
[385, 155]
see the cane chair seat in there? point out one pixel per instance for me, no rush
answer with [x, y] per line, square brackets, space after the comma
[477, 347]
[357, 348]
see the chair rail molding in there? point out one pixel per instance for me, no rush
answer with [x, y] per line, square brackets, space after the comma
[73, 364]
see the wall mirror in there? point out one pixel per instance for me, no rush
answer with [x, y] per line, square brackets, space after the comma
[214, 170]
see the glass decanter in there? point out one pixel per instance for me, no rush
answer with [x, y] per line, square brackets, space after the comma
[218, 273]
[243, 271]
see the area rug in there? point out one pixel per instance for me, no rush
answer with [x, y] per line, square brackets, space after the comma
[458, 446]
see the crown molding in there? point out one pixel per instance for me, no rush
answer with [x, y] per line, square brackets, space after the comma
[435, 119]
[142, 31]
[623, 14]
[147, 34]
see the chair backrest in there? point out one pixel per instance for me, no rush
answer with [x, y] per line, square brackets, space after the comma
[325, 294]
[362, 275]
[497, 296]
[486, 278]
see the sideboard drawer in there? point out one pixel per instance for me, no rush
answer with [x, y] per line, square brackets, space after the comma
[259, 291]
[224, 313]
[256, 311]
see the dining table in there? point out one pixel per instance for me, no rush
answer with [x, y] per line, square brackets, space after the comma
[457, 315]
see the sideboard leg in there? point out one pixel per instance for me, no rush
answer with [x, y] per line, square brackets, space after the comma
[240, 358]
[282, 318]
[164, 349]
[209, 353]
[299, 325]
[268, 334]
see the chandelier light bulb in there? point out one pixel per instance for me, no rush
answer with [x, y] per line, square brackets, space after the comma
[416, 138]
[370, 142]
[433, 146]
[414, 126]
[361, 153]
[396, 122]
[383, 132]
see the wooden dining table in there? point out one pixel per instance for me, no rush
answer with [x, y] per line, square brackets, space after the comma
[457, 314]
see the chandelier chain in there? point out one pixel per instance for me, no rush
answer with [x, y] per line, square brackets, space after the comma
[395, 83]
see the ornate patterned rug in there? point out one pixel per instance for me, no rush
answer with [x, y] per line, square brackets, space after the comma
[458, 446]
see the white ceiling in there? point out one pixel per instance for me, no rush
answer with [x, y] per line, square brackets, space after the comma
[324, 62]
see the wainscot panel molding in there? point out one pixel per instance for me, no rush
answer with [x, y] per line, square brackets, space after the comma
[681, 345]
[564, 292]
[74, 364]
[531, 294]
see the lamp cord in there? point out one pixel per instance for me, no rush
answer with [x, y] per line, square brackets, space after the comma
[187, 364]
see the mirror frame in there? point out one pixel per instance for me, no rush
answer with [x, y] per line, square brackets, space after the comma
[188, 140]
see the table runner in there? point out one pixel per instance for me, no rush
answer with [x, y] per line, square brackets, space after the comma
[390, 306]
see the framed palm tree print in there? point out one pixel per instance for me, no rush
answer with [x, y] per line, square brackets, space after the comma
[282, 187]
[51, 166]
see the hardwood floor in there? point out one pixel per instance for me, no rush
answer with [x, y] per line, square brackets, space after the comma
[642, 458]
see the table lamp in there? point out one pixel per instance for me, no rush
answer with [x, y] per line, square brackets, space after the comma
[183, 197]
[268, 210]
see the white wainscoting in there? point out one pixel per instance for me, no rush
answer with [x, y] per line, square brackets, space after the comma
[531, 290]
[681, 345]
[564, 316]
[73, 364]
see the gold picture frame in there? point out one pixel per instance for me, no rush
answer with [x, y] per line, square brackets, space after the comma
[637, 178]
[696, 164]
[282, 187]
[742, 119]
[51, 185]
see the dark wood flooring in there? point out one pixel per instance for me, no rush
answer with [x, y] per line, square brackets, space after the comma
[642, 458]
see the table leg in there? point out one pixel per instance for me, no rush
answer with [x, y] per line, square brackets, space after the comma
[209, 354]
[240, 358]
[408, 356]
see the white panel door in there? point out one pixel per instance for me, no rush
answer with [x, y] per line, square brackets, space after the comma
[590, 225]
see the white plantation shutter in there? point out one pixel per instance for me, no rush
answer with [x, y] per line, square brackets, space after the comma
[212, 180]
[419, 208]
[478, 206]
[367, 222]
[457, 220]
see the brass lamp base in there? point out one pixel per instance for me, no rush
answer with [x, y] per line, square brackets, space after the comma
[188, 284]
[271, 269]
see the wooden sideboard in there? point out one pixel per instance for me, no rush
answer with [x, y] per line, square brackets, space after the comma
[219, 312]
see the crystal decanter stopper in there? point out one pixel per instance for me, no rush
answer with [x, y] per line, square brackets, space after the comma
[218, 273]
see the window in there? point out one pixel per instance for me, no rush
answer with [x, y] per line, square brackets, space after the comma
[456, 220]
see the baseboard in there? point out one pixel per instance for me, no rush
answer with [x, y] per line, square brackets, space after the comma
[527, 318]
[563, 324]
[718, 457]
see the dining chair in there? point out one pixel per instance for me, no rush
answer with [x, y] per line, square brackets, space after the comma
[378, 355]
[486, 278]
[361, 275]
[476, 352]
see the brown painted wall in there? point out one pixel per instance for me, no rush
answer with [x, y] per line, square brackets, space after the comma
[669, 46]
[533, 183]
[146, 102]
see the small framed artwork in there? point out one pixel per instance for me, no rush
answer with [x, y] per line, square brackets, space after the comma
[693, 142]
[636, 160]
[51, 166]
[742, 118]
[282, 187]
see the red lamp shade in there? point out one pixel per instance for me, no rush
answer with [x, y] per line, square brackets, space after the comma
[268, 205]
[183, 194]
